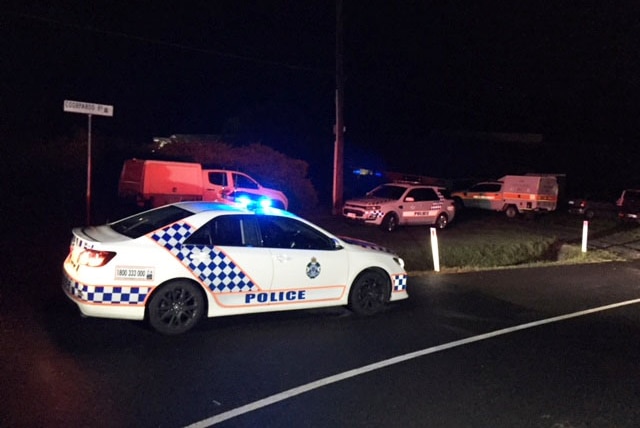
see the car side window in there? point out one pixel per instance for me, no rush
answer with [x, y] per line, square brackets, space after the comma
[244, 182]
[423, 194]
[227, 230]
[486, 187]
[218, 178]
[284, 232]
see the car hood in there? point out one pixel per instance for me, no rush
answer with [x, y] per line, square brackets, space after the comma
[366, 245]
[368, 200]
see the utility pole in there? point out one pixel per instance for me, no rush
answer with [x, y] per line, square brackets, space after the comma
[338, 155]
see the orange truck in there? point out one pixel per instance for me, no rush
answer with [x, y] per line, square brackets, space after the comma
[511, 194]
[153, 183]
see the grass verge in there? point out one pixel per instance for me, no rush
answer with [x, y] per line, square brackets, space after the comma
[487, 242]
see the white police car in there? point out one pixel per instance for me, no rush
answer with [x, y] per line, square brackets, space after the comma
[402, 204]
[175, 264]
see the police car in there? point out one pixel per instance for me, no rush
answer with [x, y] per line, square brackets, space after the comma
[401, 203]
[175, 264]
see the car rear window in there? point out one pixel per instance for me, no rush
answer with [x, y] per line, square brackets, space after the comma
[148, 221]
[632, 196]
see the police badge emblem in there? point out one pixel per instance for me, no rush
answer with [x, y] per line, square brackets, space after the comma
[313, 268]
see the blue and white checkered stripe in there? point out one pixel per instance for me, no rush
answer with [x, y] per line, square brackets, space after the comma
[399, 282]
[104, 294]
[214, 268]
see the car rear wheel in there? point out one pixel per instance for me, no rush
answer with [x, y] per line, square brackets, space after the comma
[390, 222]
[511, 211]
[442, 221]
[175, 307]
[369, 293]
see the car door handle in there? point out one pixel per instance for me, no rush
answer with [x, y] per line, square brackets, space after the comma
[282, 258]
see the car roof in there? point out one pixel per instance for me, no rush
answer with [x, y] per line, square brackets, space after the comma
[201, 206]
[413, 184]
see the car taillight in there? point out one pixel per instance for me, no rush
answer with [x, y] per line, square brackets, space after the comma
[93, 258]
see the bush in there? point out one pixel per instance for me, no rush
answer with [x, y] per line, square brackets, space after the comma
[270, 167]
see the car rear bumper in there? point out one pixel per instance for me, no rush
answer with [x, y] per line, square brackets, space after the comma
[105, 302]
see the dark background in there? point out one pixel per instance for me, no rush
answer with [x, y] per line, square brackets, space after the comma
[446, 89]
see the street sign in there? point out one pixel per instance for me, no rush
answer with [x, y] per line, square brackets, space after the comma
[88, 108]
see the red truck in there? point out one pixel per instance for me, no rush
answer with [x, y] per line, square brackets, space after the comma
[153, 183]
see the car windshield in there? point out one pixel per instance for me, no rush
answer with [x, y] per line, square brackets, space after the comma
[388, 192]
[148, 221]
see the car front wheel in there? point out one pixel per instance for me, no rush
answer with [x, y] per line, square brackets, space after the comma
[369, 293]
[175, 307]
[390, 222]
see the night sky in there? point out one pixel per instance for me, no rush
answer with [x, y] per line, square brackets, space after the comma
[568, 70]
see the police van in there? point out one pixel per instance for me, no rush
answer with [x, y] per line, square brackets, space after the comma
[511, 194]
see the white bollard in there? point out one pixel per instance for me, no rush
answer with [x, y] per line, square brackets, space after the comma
[434, 250]
[585, 233]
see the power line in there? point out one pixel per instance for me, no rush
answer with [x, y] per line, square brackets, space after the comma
[173, 45]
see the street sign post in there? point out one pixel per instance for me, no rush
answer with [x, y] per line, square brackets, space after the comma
[89, 109]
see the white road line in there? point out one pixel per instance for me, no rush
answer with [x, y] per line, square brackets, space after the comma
[389, 362]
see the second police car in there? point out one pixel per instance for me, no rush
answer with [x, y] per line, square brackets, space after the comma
[401, 204]
[175, 264]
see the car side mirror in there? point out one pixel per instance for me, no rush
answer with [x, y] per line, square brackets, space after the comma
[337, 245]
[409, 199]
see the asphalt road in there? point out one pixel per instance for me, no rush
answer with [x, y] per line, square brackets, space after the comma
[500, 348]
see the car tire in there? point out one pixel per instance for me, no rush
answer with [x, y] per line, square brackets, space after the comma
[442, 221]
[511, 211]
[176, 307]
[369, 293]
[390, 222]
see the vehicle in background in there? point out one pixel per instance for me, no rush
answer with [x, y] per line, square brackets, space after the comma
[486, 195]
[628, 205]
[401, 204]
[581, 207]
[511, 194]
[590, 208]
[176, 264]
[154, 183]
